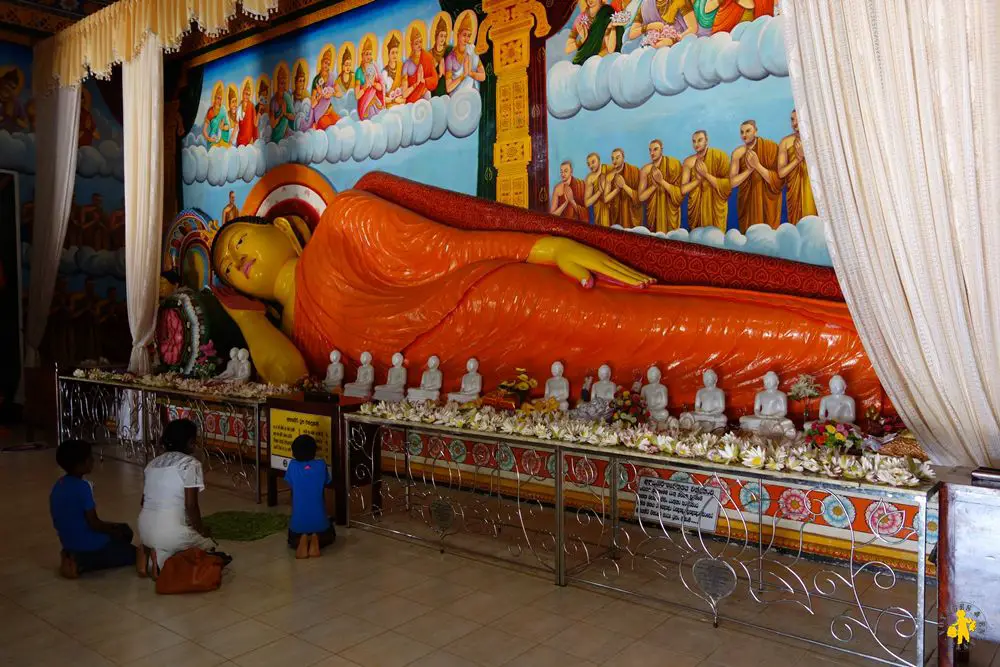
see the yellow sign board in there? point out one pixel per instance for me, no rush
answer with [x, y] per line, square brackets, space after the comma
[287, 425]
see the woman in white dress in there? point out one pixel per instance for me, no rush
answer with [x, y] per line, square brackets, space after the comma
[170, 519]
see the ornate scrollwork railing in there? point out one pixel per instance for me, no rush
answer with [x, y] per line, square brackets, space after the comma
[125, 422]
[595, 516]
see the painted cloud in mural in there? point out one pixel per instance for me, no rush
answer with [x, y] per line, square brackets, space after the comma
[804, 242]
[17, 152]
[753, 51]
[350, 139]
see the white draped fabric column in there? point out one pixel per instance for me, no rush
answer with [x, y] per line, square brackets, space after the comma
[56, 141]
[142, 129]
[899, 112]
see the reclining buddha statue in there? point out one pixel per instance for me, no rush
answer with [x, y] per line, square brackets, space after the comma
[394, 266]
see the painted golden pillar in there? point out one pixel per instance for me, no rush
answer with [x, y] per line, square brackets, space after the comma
[508, 26]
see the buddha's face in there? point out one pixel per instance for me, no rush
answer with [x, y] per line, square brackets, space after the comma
[771, 381]
[837, 386]
[248, 257]
[710, 379]
[604, 373]
[653, 375]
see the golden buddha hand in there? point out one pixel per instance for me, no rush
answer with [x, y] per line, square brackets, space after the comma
[582, 262]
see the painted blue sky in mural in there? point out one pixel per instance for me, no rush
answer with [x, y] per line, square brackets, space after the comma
[432, 141]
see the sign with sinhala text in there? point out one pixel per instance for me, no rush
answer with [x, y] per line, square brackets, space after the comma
[286, 425]
[677, 503]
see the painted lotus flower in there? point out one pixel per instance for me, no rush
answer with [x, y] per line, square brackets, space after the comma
[755, 457]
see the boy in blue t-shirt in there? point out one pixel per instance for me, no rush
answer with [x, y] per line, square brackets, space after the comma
[87, 542]
[310, 527]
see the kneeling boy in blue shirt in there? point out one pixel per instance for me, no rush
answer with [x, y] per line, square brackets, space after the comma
[87, 542]
[310, 527]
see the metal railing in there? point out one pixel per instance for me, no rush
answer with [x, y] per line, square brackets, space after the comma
[605, 518]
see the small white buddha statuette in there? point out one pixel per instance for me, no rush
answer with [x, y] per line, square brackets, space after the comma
[430, 383]
[557, 386]
[472, 384]
[770, 408]
[362, 385]
[334, 372]
[232, 366]
[394, 388]
[655, 395]
[604, 388]
[836, 406]
[709, 406]
[243, 367]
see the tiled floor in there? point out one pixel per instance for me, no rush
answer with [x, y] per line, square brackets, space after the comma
[370, 601]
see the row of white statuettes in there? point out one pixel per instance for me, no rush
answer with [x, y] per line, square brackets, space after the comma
[770, 405]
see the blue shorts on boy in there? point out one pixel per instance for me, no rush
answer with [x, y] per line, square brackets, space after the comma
[307, 480]
[69, 502]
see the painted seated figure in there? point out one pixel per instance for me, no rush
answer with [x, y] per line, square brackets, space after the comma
[430, 382]
[394, 388]
[362, 385]
[836, 406]
[490, 283]
[770, 408]
[472, 384]
[709, 406]
[655, 395]
[557, 386]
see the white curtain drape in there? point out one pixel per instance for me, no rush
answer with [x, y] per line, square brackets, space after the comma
[899, 112]
[56, 141]
[142, 130]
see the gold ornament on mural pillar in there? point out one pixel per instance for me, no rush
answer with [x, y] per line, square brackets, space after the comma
[508, 25]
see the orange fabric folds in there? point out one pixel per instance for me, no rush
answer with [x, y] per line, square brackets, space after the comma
[381, 278]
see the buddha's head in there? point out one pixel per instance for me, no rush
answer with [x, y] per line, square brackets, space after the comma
[335, 357]
[366, 358]
[557, 369]
[838, 387]
[433, 362]
[604, 373]
[233, 353]
[653, 375]
[249, 253]
[397, 360]
[771, 381]
[243, 354]
[472, 365]
[710, 379]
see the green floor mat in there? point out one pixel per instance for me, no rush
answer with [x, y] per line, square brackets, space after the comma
[245, 526]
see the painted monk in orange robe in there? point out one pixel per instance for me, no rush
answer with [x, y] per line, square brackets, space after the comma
[754, 170]
[421, 74]
[659, 187]
[593, 190]
[705, 182]
[509, 299]
[247, 118]
[792, 168]
[733, 12]
[568, 195]
[621, 192]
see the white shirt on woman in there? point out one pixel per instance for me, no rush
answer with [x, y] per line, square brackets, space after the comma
[163, 519]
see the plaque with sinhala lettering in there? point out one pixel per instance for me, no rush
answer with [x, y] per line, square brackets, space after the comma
[664, 501]
[443, 514]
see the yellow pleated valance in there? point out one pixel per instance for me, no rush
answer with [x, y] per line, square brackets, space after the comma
[94, 45]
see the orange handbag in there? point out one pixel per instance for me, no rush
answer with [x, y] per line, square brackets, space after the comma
[193, 570]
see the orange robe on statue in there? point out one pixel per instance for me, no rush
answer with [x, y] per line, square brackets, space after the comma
[360, 286]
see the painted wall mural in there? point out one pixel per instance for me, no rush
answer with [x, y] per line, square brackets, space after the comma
[676, 119]
[370, 89]
[90, 288]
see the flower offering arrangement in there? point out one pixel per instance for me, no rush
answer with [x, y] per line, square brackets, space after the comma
[834, 435]
[172, 380]
[753, 452]
[628, 407]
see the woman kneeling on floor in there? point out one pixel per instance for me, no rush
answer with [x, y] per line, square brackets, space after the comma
[170, 519]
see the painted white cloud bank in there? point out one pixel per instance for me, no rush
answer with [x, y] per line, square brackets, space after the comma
[350, 139]
[752, 50]
[103, 158]
[804, 242]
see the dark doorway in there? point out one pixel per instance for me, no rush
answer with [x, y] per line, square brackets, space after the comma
[10, 299]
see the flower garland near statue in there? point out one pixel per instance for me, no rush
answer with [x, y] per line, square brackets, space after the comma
[209, 387]
[628, 407]
[835, 435]
[191, 326]
[730, 449]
